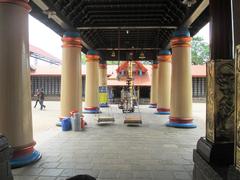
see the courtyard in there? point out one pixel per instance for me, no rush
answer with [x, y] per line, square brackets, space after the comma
[151, 151]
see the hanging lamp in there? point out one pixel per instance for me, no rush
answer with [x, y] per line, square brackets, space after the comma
[142, 56]
[113, 54]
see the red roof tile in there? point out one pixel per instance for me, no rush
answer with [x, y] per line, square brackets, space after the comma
[199, 70]
[138, 65]
[41, 52]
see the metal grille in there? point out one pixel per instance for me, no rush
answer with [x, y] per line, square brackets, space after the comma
[50, 84]
[199, 87]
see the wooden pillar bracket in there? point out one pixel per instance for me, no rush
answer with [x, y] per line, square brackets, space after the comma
[220, 101]
[237, 108]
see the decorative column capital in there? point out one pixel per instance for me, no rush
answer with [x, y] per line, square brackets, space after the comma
[22, 3]
[181, 38]
[71, 39]
[164, 56]
[102, 64]
[92, 56]
[154, 64]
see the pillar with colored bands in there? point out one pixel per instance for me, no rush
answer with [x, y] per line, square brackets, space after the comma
[103, 90]
[92, 83]
[164, 82]
[154, 85]
[181, 90]
[15, 91]
[71, 79]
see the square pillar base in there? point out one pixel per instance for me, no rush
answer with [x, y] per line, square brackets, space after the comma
[204, 171]
[216, 154]
[233, 174]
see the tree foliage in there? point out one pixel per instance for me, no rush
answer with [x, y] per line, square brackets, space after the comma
[112, 62]
[83, 58]
[200, 51]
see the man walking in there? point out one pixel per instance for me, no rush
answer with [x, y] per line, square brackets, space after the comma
[37, 94]
[41, 99]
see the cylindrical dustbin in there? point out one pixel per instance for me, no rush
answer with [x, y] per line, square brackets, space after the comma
[75, 120]
[5, 154]
[66, 124]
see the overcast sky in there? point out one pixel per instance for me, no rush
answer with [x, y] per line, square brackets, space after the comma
[46, 39]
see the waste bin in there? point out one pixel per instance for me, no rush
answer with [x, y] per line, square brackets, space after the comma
[5, 154]
[75, 121]
[66, 124]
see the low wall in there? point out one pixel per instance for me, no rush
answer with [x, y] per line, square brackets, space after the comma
[117, 100]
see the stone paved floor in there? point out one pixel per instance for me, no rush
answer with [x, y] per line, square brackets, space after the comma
[152, 151]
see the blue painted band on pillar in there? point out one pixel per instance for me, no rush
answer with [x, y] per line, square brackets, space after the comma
[103, 105]
[182, 32]
[162, 113]
[92, 111]
[181, 125]
[25, 159]
[92, 52]
[71, 34]
[165, 52]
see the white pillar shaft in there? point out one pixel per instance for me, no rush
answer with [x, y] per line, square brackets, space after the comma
[71, 80]
[154, 85]
[92, 84]
[164, 85]
[15, 94]
[181, 94]
[102, 76]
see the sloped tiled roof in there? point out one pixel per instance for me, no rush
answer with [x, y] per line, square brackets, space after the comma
[42, 52]
[43, 68]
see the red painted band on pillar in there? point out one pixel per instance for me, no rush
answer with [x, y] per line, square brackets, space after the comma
[22, 3]
[73, 111]
[181, 42]
[177, 40]
[154, 66]
[92, 58]
[163, 109]
[21, 151]
[180, 120]
[91, 108]
[71, 42]
[103, 66]
[67, 38]
[164, 58]
[71, 45]
[181, 45]
[167, 61]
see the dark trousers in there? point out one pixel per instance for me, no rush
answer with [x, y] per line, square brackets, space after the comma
[36, 103]
[41, 103]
